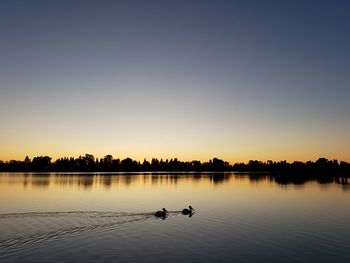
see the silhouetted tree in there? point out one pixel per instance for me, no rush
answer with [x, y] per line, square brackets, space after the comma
[320, 168]
[27, 160]
[41, 163]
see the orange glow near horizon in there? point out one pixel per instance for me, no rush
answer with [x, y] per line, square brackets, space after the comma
[202, 156]
[155, 141]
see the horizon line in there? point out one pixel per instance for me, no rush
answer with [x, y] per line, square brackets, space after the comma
[173, 158]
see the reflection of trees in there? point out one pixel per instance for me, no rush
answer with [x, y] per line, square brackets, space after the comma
[217, 178]
[128, 179]
[80, 180]
[88, 180]
[297, 180]
[38, 180]
[344, 182]
[107, 180]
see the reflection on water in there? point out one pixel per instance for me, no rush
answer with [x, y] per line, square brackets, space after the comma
[87, 180]
[89, 217]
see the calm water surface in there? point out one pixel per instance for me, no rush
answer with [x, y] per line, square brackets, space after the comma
[109, 218]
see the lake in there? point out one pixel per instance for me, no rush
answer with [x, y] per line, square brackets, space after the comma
[108, 217]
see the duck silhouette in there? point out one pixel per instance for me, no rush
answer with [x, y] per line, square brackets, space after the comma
[188, 211]
[162, 213]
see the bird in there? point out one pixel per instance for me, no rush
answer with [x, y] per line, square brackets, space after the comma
[188, 211]
[162, 213]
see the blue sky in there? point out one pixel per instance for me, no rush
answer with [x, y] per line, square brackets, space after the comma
[238, 80]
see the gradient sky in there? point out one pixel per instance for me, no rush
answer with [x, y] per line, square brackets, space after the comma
[237, 80]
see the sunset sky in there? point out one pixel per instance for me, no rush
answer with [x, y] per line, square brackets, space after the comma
[236, 80]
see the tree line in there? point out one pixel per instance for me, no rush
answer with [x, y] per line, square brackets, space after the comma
[88, 163]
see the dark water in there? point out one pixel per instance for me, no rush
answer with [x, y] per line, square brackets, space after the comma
[109, 218]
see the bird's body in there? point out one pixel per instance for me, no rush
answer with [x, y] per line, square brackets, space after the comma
[188, 211]
[162, 213]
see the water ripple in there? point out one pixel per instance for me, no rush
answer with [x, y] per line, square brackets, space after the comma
[19, 229]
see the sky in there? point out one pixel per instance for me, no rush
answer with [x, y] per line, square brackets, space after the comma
[237, 80]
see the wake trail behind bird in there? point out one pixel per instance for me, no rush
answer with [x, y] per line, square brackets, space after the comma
[20, 229]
